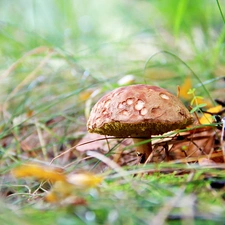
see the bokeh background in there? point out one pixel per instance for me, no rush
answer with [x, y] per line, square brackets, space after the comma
[58, 57]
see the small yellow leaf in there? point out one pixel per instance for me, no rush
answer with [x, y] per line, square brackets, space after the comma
[215, 109]
[68, 190]
[84, 180]
[38, 172]
[51, 197]
[200, 101]
[60, 191]
[65, 187]
[184, 88]
[183, 93]
[207, 118]
[83, 96]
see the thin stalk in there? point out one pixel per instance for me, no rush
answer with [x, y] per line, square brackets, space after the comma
[143, 150]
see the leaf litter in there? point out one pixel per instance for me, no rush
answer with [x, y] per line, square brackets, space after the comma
[201, 144]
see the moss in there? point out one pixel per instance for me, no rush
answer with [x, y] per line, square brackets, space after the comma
[144, 129]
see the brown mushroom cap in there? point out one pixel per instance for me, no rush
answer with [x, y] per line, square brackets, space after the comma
[138, 111]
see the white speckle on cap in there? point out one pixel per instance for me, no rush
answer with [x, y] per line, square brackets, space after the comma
[125, 112]
[130, 101]
[143, 111]
[107, 103]
[164, 96]
[120, 105]
[139, 105]
[98, 122]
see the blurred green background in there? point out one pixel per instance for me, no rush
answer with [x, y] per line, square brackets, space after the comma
[56, 54]
[118, 30]
[58, 57]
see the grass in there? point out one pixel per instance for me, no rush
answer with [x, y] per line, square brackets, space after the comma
[140, 201]
[54, 55]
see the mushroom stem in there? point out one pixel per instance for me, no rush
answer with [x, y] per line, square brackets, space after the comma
[143, 150]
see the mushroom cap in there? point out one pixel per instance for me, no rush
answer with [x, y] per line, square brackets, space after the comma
[138, 111]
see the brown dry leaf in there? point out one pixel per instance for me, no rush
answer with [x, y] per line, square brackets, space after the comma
[206, 162]
[93, 141]
[199, 143]
[103, 144]
[188, 146]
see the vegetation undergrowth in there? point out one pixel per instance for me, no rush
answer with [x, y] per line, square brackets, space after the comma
[57, 59]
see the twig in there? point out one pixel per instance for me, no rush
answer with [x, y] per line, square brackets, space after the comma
[41, 139]
[222, 139]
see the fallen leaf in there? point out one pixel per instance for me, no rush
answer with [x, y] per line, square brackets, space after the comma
[84, 180]
[65, 187]
[38, 172]
[183, 92]
[67, 191]
[60, 191]
[206, 162]
[93, 141]
[184, 88]
[84, 95]
[207, 118]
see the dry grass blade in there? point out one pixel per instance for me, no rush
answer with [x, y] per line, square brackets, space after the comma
[35, 51]
[109, 162]
[30, 76]
[74, 147]
[55, 66]
[222, 139]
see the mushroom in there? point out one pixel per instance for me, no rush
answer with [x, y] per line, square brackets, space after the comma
[138, 111]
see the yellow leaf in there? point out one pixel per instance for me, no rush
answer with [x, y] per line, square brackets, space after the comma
[51, 197]
[64, 187]
[207, 118]
[67, 190]
[85, 180]
[60, 191]
[184, 88]
[183, 93]
[83, 96]
[215, 109]
[38, 172]
[200, 101]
